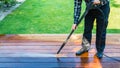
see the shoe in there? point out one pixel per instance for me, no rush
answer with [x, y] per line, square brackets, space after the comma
[81, 51]
[85, 47]
[99, 55]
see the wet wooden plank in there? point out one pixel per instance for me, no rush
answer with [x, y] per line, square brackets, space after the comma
[42, 47]
[55, 60]
[58, 65]
[46, 54]
[54, 51]
[26, 51]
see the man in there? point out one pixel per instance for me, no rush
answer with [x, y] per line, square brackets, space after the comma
[101, 20]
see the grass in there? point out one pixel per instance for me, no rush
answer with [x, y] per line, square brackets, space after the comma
[48, 16]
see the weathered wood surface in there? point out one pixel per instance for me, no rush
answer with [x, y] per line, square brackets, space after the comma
[39, 51]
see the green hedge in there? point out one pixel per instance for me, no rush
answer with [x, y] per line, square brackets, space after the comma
[7, 3]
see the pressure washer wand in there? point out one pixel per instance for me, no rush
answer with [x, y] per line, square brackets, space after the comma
[79, 21]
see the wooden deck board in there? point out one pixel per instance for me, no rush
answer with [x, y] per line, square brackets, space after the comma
[59, 65]
[39, 51]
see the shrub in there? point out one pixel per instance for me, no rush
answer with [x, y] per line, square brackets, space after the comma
[7, 3]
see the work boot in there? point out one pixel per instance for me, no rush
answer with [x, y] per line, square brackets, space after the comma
[99, 55]
[100, 46]
[85, 47]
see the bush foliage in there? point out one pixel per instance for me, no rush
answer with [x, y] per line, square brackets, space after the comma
[7, 3]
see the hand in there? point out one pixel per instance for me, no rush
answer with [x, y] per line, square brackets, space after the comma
[96, 2]
[74, 26]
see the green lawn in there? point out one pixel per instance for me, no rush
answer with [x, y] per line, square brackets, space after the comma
[50, 16]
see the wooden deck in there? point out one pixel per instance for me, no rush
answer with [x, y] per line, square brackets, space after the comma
[39, 51]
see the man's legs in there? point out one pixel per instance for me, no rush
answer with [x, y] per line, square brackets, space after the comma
[102, 23]
[86, 40]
